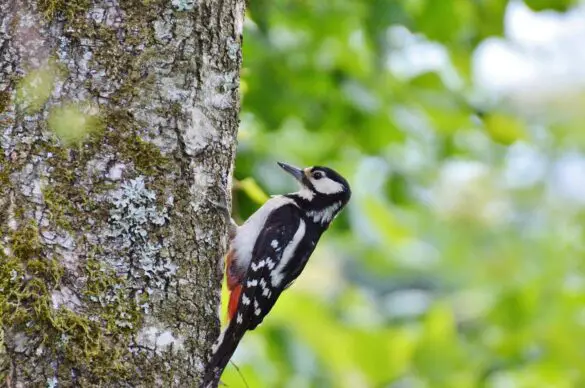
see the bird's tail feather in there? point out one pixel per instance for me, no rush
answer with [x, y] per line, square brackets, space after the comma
[225, 347]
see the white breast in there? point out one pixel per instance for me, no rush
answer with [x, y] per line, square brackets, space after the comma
[243, 243]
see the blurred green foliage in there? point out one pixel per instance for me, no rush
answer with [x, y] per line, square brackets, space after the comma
[35, 88]
[70, 122]
[73, 122]
[444, 271]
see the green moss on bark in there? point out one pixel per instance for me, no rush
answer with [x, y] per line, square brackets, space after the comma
[95, 336]
[94, 341]
[4, 101]
[69, 8]
[91, 341]
[129, 146]
[4, 169]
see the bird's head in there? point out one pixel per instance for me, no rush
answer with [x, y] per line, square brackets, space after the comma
[320, 186]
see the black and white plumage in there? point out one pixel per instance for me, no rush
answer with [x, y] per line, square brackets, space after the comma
[270, 250]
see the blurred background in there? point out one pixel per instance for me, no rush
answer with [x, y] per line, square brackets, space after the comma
[459, 124]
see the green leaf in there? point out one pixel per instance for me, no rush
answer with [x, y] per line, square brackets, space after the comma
[556, 5]
[385, 222]
[428, 80]
[504, 129]
[253, 190]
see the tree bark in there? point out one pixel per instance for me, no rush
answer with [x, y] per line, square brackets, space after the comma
[118, 122]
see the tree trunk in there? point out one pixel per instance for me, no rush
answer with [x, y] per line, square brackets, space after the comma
[118, 123]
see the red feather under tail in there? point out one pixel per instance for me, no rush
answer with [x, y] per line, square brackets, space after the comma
[233, 285]
[233, 303]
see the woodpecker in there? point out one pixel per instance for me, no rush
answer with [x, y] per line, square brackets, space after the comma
[270, 250]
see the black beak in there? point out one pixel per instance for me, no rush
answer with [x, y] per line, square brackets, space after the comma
[292, 170]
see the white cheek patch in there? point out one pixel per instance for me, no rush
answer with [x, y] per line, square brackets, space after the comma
[327, 186]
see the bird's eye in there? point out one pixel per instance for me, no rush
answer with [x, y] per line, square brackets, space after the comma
[317, 175]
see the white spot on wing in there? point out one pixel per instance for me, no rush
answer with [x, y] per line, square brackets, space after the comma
[252, 283]
[257, 311]
[239, 318]
[278, 274]
[256, 267]
[274, 244]
[270, 263]
[245, 300]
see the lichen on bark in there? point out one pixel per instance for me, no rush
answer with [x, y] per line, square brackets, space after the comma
[111, 245]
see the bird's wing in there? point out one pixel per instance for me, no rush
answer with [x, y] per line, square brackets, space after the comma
[277, 253]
